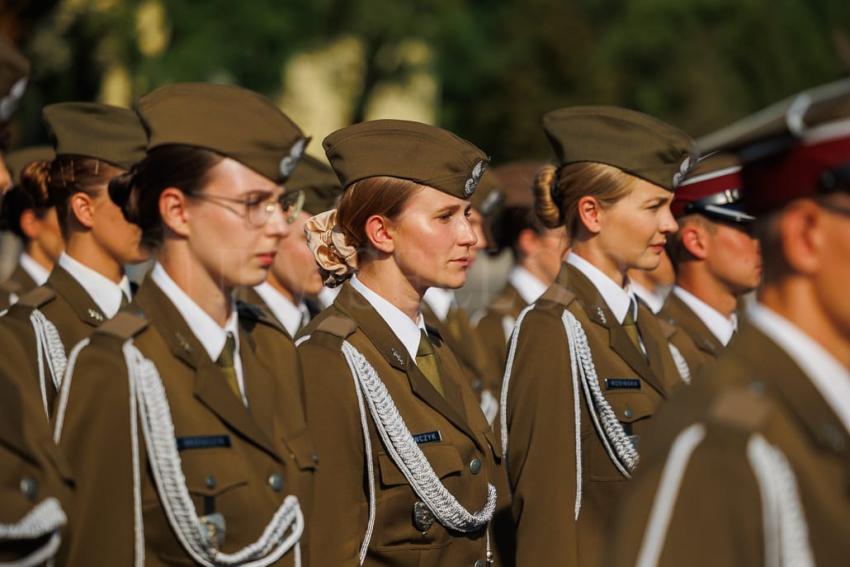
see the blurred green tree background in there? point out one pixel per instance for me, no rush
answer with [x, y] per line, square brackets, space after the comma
[492, 68]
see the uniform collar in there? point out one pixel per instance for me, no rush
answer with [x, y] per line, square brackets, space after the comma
[105, 293]
[33, 269]
[527, 285]
[617, 298]
[830, 377]
[408, 332]
[721, 327]
[211, 336]
[327, 296]
[290, 315]
[440, 301]
[653, 299]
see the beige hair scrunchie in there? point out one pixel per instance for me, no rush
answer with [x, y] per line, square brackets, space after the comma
[336, 258]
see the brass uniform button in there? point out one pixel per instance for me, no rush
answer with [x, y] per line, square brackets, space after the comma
[628, 413]
[276, 482]
[479, 563]
[29, 487]
[210, 481]
[475, 466]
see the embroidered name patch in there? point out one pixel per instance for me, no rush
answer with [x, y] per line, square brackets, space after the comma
[622, 384]
[430, 437]
[203, 442]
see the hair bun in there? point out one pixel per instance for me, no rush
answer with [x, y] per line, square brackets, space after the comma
[336, 258]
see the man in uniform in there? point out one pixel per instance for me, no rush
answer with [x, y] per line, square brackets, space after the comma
[294, 279]
[750, 466]
[715, 256]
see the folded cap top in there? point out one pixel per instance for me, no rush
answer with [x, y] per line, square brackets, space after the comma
[797, 148]
[318, 183]
[14, 69]
[631, 141]
[108, 133]
[18, 159]
[517, 181]
[229, 120]
[408, 150]
[712, 189]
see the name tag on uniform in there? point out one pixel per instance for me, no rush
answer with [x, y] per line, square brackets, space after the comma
[430, 437]
[622, 384]
[203, 442]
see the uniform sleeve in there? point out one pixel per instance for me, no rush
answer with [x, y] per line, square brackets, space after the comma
[541, 451]
[492, 335]
[337, 521]
[698, 505]
[96, 440]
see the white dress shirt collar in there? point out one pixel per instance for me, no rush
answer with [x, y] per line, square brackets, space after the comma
[105, 293]
[526, 284]
[327, 296]
[440, 301]
[36, 271]
[617, 298]
[408, 332]
[653, 299]
[828, 375]
[721, 327]
[289, 314]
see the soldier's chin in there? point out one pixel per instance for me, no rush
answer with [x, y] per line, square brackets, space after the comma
[649, 261]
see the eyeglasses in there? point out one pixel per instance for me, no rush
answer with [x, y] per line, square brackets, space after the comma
[258, 208]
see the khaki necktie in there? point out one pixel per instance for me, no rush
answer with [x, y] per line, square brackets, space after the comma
[124, 301]
[225, 362]
[630, 326]
[426, 361]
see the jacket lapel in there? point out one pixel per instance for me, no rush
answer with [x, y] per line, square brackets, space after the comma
[679, 314]
[210, 384]
[77, 297]
[385, 341]
[598, 312]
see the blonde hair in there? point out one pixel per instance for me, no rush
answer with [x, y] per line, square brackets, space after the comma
[557, 191]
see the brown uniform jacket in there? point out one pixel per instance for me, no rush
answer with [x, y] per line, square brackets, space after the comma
[467, 347]
[238, 462]
[457, 441]
[703, 347]
[17, 285]
[31, 466]
[66, 304]
[500, 316]
[714, 504]
[546, 469]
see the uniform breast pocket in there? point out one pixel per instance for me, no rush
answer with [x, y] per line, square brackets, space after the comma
[632, 408]
[301, 450]
[402, 519]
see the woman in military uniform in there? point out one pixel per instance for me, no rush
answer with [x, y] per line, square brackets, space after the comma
[410, 471]
[26, 211]
[537, 253]
[587, 367]
[182, 416]
[93, 144]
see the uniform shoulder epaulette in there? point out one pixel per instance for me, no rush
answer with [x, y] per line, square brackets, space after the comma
[37, 297]
[11, 286]
[743, 407]
[558, 294]
[337, 325]
[125, 325]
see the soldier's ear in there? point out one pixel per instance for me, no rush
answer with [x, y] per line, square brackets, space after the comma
[694, 241]
[173, 211]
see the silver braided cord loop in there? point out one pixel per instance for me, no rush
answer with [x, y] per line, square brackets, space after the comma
[786, 534]
[506, 379]
[45, 518]
[620, 448]
[48, 347]
[281, 534]
[681, 364]
[407, 455]
[64, 392]
[489, 405]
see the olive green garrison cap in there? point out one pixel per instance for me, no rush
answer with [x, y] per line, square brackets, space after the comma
[229, 120]
[318, 182]
[634, 142]
[108, 133]
[18, 159]
[408, 150]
